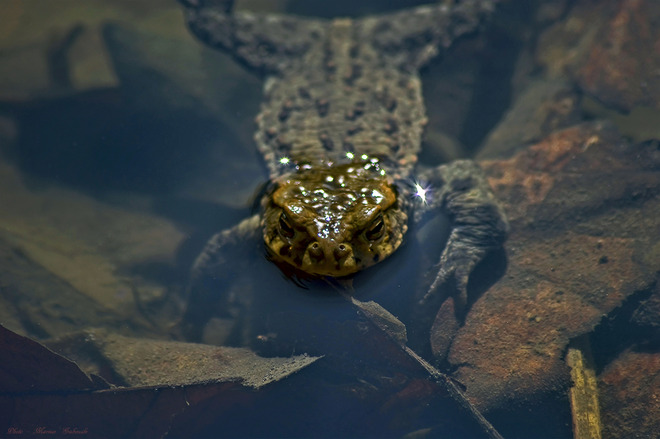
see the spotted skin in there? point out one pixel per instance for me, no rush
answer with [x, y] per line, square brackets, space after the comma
[340, 129]
[333, 220]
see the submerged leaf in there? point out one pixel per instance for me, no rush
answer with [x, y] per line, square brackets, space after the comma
[28, 366]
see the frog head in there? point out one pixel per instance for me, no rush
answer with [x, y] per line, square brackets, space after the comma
[333, 220]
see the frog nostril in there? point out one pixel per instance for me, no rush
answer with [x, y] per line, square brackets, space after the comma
[315, 251]
[342, 251]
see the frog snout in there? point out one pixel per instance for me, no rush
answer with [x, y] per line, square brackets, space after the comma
[333, 259]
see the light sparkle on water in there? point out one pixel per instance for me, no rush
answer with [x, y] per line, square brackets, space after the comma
[420, 192]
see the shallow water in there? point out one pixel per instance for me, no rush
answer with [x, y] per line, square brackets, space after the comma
[125, 144]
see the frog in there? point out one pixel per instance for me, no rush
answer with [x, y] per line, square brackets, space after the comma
[340, 130]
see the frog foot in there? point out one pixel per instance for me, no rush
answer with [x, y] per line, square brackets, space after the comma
[456, 264]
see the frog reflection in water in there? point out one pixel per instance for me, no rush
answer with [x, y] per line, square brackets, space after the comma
[340, 129]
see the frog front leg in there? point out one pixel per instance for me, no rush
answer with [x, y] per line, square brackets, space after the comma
[223, 257]
[478, 222]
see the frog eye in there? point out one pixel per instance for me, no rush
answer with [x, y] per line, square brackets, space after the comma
[376, 229]
[285, 227]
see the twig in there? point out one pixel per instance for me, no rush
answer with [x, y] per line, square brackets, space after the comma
[584, 392]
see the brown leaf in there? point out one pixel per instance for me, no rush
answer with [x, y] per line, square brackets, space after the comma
[27, 366]
[583, 209]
